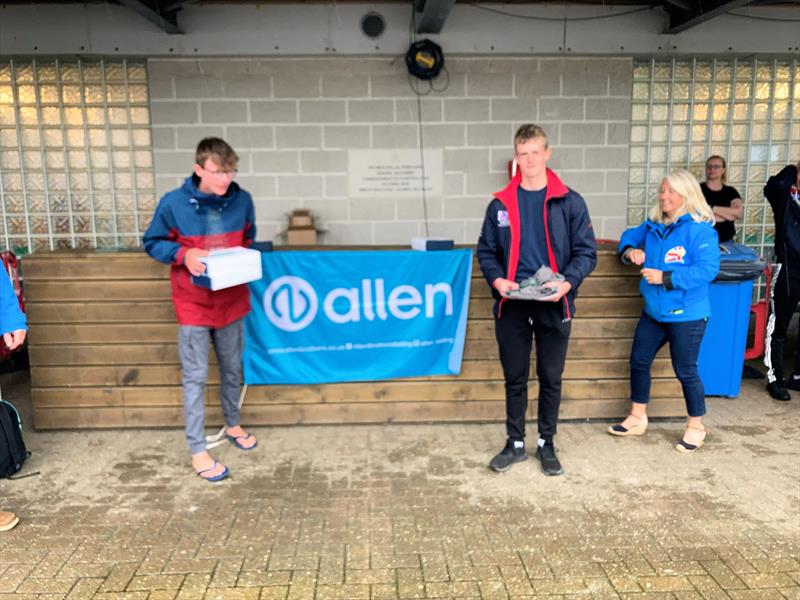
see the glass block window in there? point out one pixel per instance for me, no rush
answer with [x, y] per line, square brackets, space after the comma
[684, 110]
[76, 165]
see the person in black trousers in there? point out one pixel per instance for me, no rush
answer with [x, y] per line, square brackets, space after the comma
[783, 193]
[535, 221]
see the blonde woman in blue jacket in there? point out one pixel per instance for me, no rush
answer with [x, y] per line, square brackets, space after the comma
[678, 250]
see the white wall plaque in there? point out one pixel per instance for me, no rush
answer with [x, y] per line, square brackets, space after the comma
[394, 173]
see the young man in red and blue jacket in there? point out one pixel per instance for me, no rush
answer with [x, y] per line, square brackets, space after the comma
[210, 211]
[535, 221]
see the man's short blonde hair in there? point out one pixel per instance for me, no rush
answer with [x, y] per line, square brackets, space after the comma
[529, 131]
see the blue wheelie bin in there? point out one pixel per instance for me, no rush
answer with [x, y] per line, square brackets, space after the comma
[722, 351]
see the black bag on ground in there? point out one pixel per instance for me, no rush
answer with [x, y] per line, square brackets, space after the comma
[12, 449]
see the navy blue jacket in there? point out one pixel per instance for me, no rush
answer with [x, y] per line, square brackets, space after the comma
[688, 254]
[570, 242]
[787, 220]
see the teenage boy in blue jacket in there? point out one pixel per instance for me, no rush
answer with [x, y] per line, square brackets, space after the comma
[14, 328]
[535, 221]
[208, 212]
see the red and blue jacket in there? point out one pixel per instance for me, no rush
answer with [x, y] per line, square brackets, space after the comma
[569, 238]
[187, 218]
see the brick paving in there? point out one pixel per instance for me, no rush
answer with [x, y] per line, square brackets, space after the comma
[411, 511]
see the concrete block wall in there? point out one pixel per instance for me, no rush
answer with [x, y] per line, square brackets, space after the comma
[292, 121]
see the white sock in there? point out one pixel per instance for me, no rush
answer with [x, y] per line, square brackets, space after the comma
[519, 444]
[541, 442]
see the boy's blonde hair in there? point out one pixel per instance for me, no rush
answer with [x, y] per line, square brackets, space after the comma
[694, 203]
[529, 131]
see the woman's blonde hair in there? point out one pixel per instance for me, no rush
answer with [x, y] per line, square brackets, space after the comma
[694, 203]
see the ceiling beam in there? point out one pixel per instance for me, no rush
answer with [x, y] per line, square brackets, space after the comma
[704, 10]
[166, 20]
[433, 15]
[168, 7]
[679, 4]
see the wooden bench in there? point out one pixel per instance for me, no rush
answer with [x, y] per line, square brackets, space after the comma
[103, 353]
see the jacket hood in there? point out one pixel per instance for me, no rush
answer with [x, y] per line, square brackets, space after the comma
[190, 188]
[555, 188]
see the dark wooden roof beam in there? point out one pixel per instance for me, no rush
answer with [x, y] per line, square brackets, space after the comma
[701, 11]
[166, 20]
[679, 5]
[433, 15]
[174, 5]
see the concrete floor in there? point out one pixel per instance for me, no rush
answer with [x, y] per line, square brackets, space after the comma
[411, 511]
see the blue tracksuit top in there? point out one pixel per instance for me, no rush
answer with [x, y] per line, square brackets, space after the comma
[11, 317]
[688, 254]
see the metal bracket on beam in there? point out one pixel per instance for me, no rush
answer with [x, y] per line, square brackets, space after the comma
[165, 19]
[681, 20]
[434, 14]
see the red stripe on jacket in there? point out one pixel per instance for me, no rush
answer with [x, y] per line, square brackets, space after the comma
[508, 196]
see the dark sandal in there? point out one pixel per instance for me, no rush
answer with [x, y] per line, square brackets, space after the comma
[219, 477]
[235, 441]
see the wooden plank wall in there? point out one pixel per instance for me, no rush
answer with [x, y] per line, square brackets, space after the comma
[103, 353]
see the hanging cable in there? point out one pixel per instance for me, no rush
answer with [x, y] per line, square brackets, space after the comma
[422, 165]
[559, 19]
[431, 58]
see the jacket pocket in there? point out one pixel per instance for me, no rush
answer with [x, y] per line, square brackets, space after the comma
[673, 303]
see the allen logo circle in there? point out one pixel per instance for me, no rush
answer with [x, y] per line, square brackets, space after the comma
[290, 303]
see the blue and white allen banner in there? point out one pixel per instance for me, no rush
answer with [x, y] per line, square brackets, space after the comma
[322, 317]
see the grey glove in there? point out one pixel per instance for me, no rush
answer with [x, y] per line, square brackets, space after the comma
[533, 287]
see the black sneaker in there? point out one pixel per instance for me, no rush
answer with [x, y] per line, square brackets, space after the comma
[777, 389]
[508, 457]
[547, 456]
[793, 384]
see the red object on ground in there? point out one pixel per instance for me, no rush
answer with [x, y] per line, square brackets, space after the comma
[760, 309]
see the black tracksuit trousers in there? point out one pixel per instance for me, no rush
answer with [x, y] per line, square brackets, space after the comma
[521, 321]
[785, 296]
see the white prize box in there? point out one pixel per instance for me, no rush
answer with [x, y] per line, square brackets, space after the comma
[229, 267]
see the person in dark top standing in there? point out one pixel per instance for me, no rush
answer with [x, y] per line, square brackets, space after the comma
[783, 193]
[723, 199]
[535, 221]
